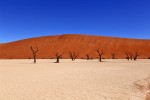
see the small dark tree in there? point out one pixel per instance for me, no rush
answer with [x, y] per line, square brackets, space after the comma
[73, 55]
[136, 54]
[58, 56]
[131, 56]
[87, 56]
[100, 53]
[127, 56]
[113, 55]
[34, 52]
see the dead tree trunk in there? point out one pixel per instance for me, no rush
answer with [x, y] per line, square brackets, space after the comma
[131, 56]
[58, 57]
[73, 55]
[113, 55]
[34, 52]
[136, 54]
[87, 56]
[100, 53]
[127, 56]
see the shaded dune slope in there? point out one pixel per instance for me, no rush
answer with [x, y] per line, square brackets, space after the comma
[84, 44]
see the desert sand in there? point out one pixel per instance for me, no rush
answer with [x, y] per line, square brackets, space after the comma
[83, 44]
[72, 80]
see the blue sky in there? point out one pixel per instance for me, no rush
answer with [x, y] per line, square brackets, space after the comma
[20, 19]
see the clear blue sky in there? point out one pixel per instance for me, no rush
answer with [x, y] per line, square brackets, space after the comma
[21, 19]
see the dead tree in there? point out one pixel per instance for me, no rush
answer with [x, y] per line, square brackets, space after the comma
[127, 56]
[136, 54]
[87, 56]
[113, 55]
[100, 53]
[34, 52]
[73, 55]
[58, 56]
[132, 56]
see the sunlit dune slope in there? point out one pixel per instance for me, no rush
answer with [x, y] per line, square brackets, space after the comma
[83, 44]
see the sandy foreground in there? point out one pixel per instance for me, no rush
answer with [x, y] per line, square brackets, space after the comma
[72, 80]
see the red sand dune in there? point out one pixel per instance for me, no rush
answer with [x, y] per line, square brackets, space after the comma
[84, 44]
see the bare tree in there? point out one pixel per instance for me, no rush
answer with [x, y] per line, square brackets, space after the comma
[87, 56]
[73, 55]
[127, 56]
[132, 56]
[113, 55]
[34, 52]
[100, 53]
[58, 56]
[136, 54]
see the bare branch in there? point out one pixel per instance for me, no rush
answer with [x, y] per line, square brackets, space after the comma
[113, 55]
[136, 54]
[100, 53]
[34, 53]
[73, 55]
[58, 56]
